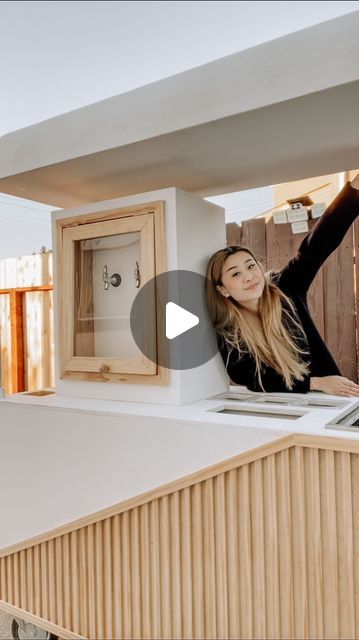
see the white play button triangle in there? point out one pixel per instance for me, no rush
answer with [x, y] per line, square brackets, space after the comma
[178, 320]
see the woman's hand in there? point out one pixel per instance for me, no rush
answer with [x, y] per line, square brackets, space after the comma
[335, 385]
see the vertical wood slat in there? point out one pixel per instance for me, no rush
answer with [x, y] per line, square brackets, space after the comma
[245, 554]
[75, 580]
[154, 543]
[209, 575]
[258, 558]
[299, 544]
[125, 576]
[198, 586]
[345, 547]
[165, 566]
[17, 341]
[264, 550]
[3, 579]
[330, 545]
[186, 561]
[144, 571]
[108, 608]
[175, 547]
[37, 580]
[271, 537]
[232, 545]
[47, 339]
[354, 463]
[5, 343]
[59, 580]
[137, 620]
[99, 581]
[313, 538]
[339, 309]
[52, 580]
[220, 556]
[286, 581]
[114, 622]
[254, 237]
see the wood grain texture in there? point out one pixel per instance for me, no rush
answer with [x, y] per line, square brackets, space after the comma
[26, 323]
[149, 221]
[263, 549]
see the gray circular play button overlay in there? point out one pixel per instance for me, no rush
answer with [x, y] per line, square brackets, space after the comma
[170, 322]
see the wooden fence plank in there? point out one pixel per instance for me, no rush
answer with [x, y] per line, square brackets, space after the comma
[339, 308]
[5, 343]
[17, 341]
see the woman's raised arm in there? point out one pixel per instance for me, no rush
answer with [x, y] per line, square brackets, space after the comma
[323, 239]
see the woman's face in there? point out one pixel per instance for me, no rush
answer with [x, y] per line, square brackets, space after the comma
[242, 279]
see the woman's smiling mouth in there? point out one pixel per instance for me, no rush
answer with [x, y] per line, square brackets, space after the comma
[253, 286]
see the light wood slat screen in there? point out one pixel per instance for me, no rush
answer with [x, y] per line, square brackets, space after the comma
[266, 550]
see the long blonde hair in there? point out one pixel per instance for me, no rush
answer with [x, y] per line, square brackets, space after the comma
[268, 335]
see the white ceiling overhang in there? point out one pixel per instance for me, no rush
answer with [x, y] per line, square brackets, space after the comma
[283, 110]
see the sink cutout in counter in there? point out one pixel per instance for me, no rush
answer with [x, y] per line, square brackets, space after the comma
[313, 403]
[348, 421]
[258, 412]
[321, 403]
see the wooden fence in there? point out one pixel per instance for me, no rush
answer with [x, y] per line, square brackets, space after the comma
[332, 297]
[26, 323]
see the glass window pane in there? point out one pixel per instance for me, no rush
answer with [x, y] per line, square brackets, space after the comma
[107, 279]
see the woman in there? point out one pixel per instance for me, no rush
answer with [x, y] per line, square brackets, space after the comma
[266, 336]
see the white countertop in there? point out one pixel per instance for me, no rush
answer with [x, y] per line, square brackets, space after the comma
[62, 459]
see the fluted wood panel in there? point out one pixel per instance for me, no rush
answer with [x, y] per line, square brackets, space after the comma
[267, 549]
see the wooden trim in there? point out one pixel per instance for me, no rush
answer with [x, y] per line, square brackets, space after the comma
[161, 264]
[129, 224]
[128, 378]
[109, 214]
[133, 371]
[327, 442]
[44, 287]
[39, 622]
[104, 365]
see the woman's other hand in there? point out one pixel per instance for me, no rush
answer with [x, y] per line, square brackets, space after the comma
[335, 385]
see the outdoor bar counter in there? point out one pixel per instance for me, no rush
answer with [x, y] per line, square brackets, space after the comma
[122, 520]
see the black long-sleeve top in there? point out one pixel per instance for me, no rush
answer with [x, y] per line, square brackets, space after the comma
[294, 280]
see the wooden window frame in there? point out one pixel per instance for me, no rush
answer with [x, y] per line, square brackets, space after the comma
[149, 220]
